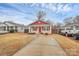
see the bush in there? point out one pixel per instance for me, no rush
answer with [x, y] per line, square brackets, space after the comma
[12, 31]
[26, 31]
[46, 33]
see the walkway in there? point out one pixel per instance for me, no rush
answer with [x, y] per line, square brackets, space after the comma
[41, 46]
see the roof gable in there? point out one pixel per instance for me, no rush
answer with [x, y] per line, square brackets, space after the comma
[39, 23]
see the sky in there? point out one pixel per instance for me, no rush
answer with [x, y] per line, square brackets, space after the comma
[25, 13]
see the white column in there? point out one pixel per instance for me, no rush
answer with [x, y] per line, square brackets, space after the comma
[6, 28]
[50, 29]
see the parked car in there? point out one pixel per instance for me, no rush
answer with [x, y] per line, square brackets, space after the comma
[66, 31]
[70, 30]
[76, 36]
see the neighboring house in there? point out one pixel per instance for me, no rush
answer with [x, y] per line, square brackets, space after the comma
[40, 27]
[15, 26]
[70, 29]
[3, 28]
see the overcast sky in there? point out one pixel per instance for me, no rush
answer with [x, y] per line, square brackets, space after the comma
[26, 13]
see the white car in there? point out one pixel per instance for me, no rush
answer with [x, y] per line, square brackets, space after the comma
[70, 30]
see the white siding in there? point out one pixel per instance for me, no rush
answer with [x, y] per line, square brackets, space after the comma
[3, 28]
[21, 29]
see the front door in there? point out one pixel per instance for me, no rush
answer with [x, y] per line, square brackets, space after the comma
[39, 29]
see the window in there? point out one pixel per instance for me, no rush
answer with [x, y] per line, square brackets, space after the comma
[69, 28]
[43, 28]
[4, 28]
[1, 28]
[15, 27]
[46, 28]
[34, 28]
[11, 27]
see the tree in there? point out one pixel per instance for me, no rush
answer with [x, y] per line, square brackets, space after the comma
[59, 25]
[71, 20]
[41, 15]
[76, 19]
[68, 21]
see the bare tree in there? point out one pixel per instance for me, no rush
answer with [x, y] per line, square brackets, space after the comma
[76, 19]
[58, 27]
[71, 20]
[68, 20]
[40, 15]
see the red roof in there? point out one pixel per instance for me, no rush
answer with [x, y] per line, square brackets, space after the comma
[39, 22]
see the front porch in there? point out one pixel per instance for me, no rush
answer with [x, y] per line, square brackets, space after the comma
[43, 29]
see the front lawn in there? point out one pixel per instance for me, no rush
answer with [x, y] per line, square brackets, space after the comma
[10, 43]
[70, 46]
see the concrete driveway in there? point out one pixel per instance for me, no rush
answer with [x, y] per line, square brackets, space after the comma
[41, 45]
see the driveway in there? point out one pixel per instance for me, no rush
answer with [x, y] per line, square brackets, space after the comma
[41, 45]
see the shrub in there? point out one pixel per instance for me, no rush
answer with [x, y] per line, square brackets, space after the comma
[26, 31]
[12, 31]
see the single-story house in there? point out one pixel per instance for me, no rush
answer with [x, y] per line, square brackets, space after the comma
[7, 26]
[40, 27]
[15, 26]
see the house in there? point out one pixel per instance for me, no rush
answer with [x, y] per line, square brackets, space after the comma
[14, 26]
[40, 27]
[3, 28]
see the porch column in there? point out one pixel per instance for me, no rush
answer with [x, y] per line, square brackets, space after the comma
[6, 28]
[50, 29]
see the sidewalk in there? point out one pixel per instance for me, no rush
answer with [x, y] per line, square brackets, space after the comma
[42, 46]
